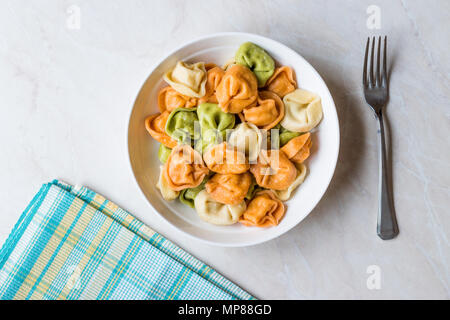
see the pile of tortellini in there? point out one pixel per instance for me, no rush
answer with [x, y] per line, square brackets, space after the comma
[234, 139]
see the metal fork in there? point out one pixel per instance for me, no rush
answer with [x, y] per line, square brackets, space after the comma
[376, 92]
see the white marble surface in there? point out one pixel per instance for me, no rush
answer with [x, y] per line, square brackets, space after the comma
[66, 95]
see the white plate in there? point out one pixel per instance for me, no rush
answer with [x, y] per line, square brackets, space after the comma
[219, 48]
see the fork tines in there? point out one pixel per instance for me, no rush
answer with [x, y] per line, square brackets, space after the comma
[380, 78]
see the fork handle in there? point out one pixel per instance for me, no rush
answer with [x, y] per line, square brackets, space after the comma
[387, 227]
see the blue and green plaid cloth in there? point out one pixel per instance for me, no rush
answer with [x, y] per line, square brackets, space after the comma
[72, 243]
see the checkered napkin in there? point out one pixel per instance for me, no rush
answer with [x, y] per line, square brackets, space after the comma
[72, 243]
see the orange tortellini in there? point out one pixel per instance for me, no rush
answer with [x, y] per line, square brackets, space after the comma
[220, 150]
[273, 170]
[156, 126]
[169, 99]
[297, 149]
[184, 168]
[222, 159]
[237, 90]
[286, 194]
[229, 188]
[282, 81]
[264, 210]
[266, 113]
[214, 76]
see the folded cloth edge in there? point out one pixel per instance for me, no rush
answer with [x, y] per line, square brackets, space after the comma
[134, 225]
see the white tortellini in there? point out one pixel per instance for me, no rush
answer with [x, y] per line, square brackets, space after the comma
[247, 138]
[188, 79]
[217, 213]
[167, 193]
[303, 111]
[285, 195]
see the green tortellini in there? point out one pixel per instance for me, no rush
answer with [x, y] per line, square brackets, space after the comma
[163, 153]
[286, 136]
[213, 123]
[254, 189]
[256, 59]
[251, 191]
[181, 125]
[187, 196]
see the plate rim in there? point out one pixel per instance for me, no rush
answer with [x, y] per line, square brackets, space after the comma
[242, 34]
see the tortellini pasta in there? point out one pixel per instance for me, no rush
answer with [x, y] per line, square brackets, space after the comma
[167, 193]
[214, 123]
[267, 112]
[184, 168]
[237, 90]
[247, 138]
[273, 170]
[188, 79]
[303, 111]
[282, 81]
[298, 149]
[234, 169]
[181, 125]
[221, 159]
[257, 60]
[163, 153]
[214, 76]
[286, 194]
[187, 196]
[156, 125]
[229, 188]
[265, 210]
[217, 213]
[169, 99]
